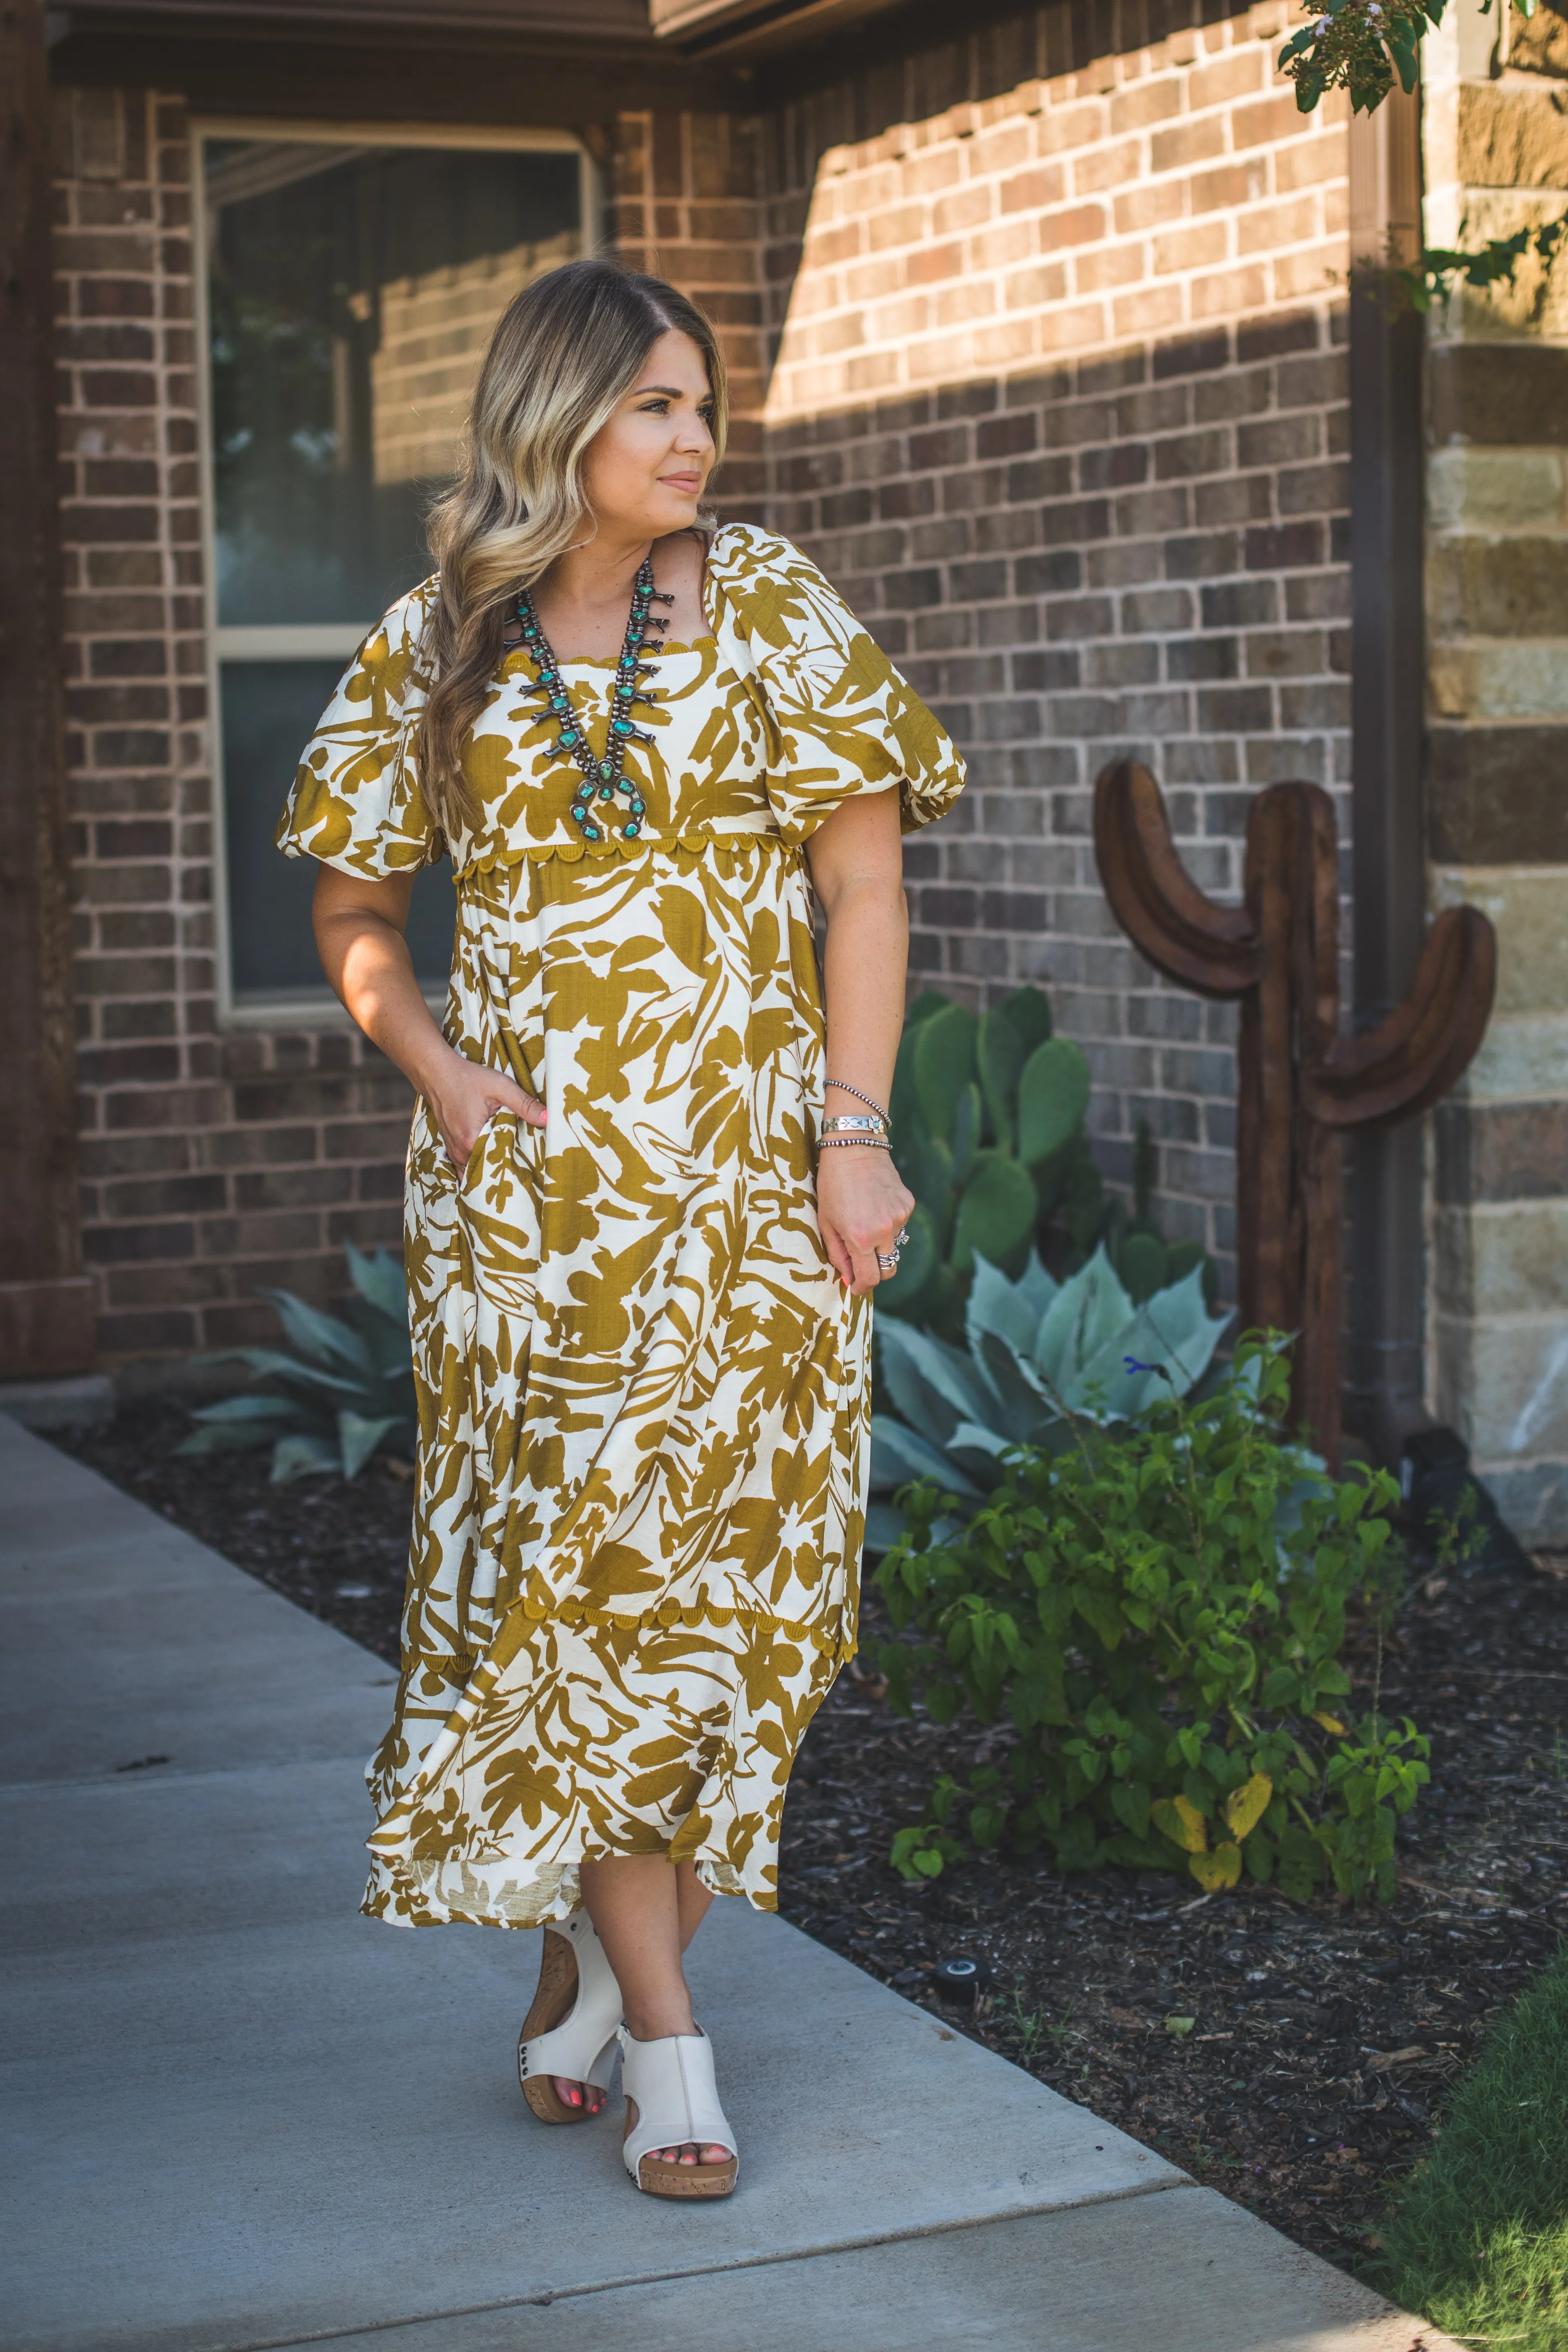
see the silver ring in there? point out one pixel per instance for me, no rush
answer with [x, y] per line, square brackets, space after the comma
[888, 1265]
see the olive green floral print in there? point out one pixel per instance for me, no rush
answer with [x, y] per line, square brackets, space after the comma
[643, 1393]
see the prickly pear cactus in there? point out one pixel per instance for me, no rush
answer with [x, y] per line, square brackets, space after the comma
[1053, 1095]
[988, 1133]
[987, 1119]
[942, 1064]
[996, 1212]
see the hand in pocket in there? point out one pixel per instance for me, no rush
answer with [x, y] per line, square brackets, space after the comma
[467, 1096]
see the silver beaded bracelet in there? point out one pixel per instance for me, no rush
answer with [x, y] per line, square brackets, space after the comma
[855, 1143]
[857, 1095]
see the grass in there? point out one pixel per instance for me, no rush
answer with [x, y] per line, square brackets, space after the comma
[1477, 2239]
[1030, 2029]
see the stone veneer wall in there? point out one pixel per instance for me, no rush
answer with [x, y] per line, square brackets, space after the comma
[1497, 156]
[1059, 402]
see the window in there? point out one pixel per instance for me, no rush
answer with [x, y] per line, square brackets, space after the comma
[352, 282]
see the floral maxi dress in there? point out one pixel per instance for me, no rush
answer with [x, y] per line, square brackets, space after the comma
[643, 1391]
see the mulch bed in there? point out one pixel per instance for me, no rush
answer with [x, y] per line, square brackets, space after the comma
[1322, 2039]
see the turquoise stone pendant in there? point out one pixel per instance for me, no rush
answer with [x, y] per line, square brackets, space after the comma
[603, 778]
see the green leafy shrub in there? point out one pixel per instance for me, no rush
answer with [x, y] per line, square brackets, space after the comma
[348, 1391]
[987, 1119]
[1158, 1613]
[1038, 1352]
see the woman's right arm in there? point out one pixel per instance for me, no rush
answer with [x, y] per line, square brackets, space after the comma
[360, 928]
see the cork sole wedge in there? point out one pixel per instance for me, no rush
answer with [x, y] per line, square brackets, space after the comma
[657, 2177]
[570, 2030]
[672, 2102]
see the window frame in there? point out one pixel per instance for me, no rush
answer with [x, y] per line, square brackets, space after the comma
[312, 1008]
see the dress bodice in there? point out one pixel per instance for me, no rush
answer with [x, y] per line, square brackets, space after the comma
[765, 727]
[703, 775]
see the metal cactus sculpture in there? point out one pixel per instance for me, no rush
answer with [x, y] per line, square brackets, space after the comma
[1301, 1083]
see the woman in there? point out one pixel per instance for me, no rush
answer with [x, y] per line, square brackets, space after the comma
[640, 1251]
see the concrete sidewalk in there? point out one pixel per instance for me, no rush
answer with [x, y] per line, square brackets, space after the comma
[240, 2115]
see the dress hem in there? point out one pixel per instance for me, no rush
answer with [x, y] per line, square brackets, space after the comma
[404, 1894]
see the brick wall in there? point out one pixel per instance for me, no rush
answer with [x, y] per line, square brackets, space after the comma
[1040, 352]
[686, 204]
[1060, 402]
[212, 1164]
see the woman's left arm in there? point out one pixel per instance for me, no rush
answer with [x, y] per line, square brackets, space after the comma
[857, 868]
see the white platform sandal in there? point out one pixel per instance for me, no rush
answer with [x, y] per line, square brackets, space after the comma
[570, 2029]
[672, 2085]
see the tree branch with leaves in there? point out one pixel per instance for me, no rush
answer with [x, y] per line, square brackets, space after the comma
[1361, 46]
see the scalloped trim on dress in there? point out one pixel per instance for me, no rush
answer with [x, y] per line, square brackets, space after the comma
[696, 840]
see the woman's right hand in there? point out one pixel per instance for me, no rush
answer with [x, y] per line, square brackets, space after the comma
[464, 1096]
[360, 926]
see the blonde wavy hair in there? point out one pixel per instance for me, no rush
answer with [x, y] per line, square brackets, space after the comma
[564, 355]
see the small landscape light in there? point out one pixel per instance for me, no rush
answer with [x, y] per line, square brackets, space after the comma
[960, 1978]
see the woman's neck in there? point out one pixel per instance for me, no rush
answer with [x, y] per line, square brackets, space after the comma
[584, 600]
[586, 579]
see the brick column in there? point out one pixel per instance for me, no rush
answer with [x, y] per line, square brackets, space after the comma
[46, 1306]
[1497, 157]
[686, 207]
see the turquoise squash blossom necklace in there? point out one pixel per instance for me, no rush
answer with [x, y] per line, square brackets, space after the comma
[602, 779]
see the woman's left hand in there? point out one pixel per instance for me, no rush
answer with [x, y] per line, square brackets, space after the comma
[862, 1207]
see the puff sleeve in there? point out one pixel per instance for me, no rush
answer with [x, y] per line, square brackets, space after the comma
[355, 801]
[841, 720]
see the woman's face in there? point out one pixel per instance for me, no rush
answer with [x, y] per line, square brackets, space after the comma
[646, 469]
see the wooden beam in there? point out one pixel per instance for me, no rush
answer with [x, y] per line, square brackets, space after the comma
[1387, 1270]
[464, 78]
[754, 30]
[525, 21]
[40, 1243]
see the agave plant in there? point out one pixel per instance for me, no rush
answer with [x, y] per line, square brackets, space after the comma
[1039, 1353]
[348, 1388]
[987, 1119]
